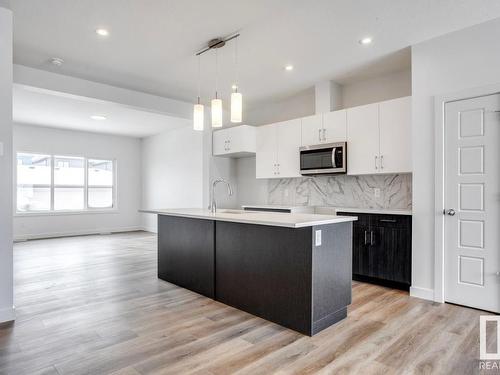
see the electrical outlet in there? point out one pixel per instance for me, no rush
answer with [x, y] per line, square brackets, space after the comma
[318, 238]
[376, 192]
[287, 193]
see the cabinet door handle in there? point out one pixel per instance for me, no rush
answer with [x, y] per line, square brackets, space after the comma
[324, 135]
[319, 135]
[376, 159]
[381, 161]
[372, 242]
[365, 237]
[388, 220]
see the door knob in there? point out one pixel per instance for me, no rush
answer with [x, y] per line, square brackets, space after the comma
[450, 212]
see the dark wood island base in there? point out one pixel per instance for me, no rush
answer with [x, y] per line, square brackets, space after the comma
[299, 278]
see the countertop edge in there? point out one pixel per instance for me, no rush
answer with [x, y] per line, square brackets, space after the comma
[305, 224]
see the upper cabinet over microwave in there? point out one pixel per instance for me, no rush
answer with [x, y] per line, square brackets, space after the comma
[379, 137]
[330, 127]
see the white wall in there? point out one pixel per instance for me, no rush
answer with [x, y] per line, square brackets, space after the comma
[377, 89]
[172, 171]
[464, 59]
[299, 105]
[126, 151]
[6, 281]
[250, 189]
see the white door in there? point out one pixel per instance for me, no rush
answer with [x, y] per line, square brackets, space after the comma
[288, 148]
[472, 201]
[220, 142]
[312, 130]
[335, 126]
[395, 135]
[363, 140]
[266, 152]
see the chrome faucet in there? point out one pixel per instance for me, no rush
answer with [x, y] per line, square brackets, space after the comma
[213, 204]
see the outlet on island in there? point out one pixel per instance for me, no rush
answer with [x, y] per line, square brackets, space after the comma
[376, 192]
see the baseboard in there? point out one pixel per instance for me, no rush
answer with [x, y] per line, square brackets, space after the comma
[150, 229]
[422, 293]
[8, 314]
[38, 236]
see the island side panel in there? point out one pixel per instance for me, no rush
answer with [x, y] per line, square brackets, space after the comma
[266, 271]
[332, 274]
[186, 253]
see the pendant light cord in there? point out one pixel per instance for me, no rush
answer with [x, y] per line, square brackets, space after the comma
[237, 83]
[199, 78]
[216, 72]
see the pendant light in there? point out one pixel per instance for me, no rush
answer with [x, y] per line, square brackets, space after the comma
[216, 103]
[236, 98]
[198, 110]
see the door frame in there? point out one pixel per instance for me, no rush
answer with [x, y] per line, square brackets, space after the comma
[439, 167]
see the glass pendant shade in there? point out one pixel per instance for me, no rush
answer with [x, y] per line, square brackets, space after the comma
[198, 117]
[236, 107]
[216, 113]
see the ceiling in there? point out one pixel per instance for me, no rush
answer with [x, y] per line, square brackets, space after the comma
[41, 107]
[152, 43]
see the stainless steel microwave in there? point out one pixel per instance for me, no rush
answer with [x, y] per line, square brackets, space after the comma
[327, 158]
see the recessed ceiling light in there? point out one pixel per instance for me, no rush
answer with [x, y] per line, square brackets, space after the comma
[102, 32]
[98, 117]
[56, 61]
[289, 67]
[366, 40]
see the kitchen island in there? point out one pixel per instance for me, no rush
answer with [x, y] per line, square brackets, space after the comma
[291, 269]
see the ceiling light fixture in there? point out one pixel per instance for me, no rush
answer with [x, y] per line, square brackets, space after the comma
[366, 40]
[216, 103]
[56, 61]
[236, 98]
[102, 32]
[288, 68]
[198, 109]
[98, 117]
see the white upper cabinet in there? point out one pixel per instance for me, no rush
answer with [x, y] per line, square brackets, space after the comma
[312, 130]
[362, 139]
[267, 151]
[335, 126]
[278, 150]
[324, 128]
[379, 137]
[238, 141]
[288, 148]
[395, 135]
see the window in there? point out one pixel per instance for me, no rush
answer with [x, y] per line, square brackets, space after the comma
[47, 183]
[69, 183]
[33, 182]
[100, 183]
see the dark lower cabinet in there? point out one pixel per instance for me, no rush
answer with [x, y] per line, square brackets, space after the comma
[186, 254]
[281, 275]
[382, 249]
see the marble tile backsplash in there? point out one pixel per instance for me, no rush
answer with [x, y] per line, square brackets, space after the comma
[343, 191]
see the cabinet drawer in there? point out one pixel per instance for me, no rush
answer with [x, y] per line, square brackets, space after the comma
[391, 221]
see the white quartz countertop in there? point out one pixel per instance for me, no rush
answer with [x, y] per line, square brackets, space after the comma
[278, 219]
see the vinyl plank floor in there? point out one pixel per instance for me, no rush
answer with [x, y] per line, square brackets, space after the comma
[93, 305]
